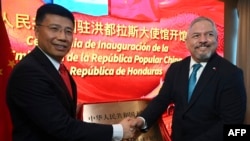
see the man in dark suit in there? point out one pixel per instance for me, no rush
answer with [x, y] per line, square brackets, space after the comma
[218, 98]
[42, 107]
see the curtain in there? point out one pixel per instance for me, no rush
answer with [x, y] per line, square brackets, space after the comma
[243, 50]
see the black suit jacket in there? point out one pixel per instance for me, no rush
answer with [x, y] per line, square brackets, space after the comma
[219, 98]
[41, 107]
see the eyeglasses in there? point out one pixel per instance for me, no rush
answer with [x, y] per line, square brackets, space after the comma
[57, 28]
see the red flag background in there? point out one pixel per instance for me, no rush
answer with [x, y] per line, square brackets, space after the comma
[129, 9]
[6, 64]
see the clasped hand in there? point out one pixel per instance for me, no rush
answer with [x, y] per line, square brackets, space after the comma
[131, 128]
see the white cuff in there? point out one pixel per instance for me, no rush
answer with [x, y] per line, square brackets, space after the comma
[117, 132]
[144, 123]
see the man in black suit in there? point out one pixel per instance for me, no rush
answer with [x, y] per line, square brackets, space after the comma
[42, 107]
[219, 96]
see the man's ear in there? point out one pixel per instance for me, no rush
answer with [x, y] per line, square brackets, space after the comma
[185, 41]
[36, 30]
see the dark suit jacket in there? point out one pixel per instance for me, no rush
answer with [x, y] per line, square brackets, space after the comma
[41, 107]
[219, 98]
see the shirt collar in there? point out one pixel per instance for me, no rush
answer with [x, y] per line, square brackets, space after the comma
[53, 61]
[192, 62]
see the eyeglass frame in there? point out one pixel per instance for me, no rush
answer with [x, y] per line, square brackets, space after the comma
[57, 28]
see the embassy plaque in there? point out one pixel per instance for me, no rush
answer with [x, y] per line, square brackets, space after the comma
[114, 112]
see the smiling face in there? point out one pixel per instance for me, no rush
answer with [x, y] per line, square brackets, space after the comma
[202, 40]
[55, 35]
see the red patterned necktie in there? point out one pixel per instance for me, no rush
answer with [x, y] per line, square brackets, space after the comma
[65, 76]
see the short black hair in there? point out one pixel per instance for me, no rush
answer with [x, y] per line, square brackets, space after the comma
[53, 9]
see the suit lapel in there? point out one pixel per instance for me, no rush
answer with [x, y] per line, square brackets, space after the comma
[183, 75]
[206, 76]
[53, 73]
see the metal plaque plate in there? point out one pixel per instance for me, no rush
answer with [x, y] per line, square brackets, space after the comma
[114, 112]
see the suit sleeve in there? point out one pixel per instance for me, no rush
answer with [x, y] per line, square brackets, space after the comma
[161, 101]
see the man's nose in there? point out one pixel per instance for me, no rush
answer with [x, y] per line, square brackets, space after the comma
[203, 38]
[61, 34]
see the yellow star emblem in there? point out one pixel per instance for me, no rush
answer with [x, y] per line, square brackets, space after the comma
[11, 63]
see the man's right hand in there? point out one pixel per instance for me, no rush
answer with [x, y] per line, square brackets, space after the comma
[137, 123]
[129, 131]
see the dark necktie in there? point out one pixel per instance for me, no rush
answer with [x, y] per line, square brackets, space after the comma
[65, 76]
[192, 80]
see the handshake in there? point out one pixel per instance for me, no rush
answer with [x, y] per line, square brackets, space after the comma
[131, 127]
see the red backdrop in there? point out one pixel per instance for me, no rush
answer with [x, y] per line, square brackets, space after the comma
[122, 55]
[161, 34]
